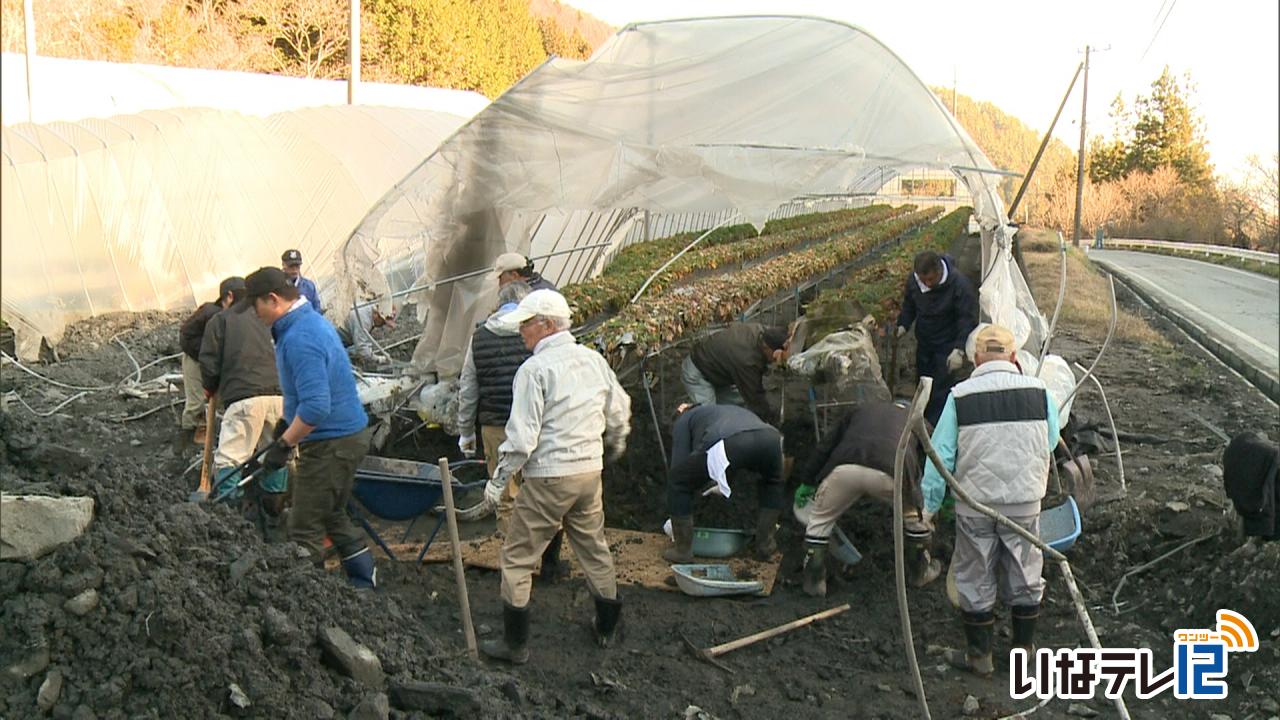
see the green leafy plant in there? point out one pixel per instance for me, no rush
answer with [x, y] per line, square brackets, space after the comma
[652, 321]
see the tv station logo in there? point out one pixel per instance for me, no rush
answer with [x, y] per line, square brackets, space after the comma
[1200, 665]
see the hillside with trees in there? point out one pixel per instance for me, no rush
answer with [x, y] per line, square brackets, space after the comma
[482, 45]
[1152, 178]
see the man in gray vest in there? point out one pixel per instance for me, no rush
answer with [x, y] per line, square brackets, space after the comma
[996, 433]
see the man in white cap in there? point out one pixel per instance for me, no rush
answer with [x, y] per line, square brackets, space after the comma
[514, 266]
[567, 408]
[996, 434]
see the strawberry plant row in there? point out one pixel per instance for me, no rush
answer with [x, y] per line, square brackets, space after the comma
[653, 321]
[878, 288]
[613, 289]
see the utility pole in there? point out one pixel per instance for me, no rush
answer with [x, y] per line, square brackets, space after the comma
[954, 83]
[1084, 106]
[353, 45]
[29, 47]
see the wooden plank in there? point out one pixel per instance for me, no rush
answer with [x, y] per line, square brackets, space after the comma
[637, 558]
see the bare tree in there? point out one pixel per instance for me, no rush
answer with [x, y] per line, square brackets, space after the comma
[303, 35]
[1262, 185]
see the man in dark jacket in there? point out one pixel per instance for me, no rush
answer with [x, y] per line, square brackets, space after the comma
[291, 263]
[513, 266]
[856, 459]
[706, 440]
[327, 424]
[190, 335]
[942, 303]
[485, 386]
[238, 362]
[738, 356]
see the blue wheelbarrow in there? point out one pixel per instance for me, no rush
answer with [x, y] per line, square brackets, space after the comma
[400, 490]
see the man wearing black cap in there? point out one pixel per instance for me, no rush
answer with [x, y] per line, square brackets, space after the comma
[738, 356]
[327, 424]
[190, 334]
[291, 263]
[238, 362]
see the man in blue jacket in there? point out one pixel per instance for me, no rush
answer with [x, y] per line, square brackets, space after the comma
[291, 263]
[326, 422]
[941, 302]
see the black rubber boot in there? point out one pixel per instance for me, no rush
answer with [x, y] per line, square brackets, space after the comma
[682, 551]
[553, 570]
[360, 570]
[815, 570]
[1024, 627]
[608, 614]
[978, 629]
[766, 525]
[513, 646]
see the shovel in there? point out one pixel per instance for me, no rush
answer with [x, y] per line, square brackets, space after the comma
[711, 654]
[206, 460]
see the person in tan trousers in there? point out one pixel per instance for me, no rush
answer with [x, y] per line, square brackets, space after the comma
[567, 409]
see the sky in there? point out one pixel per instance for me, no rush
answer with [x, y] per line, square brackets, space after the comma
[1020, 54]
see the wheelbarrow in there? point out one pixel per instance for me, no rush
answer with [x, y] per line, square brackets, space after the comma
[400, 490]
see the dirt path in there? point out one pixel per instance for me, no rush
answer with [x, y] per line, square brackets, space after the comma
[175, 627]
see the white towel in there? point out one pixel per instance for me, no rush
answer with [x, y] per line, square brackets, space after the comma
[717, 465]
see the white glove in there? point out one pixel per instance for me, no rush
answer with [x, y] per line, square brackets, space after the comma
[955, 360]
[467, 444]
[899, 331]
[616, 451]
[493, 489]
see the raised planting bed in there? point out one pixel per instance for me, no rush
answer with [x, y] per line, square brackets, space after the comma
[877, 288]
[652, 321]
[627, 273]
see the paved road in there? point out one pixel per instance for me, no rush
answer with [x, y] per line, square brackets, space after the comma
[1241, 309]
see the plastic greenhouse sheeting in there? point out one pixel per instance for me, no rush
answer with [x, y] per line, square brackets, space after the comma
[151, 211]
[713, 116]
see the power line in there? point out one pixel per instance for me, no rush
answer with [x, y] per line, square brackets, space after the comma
[1158, 12]
[1157, 33]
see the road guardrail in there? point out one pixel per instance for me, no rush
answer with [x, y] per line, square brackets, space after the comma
[1257, 255]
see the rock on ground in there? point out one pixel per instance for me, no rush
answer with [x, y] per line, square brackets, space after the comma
[435, 698]
[35, 524]
[351, 657]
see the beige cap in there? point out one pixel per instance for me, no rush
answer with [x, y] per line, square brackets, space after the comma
[993, 339]
[539, 302]
[509, 261]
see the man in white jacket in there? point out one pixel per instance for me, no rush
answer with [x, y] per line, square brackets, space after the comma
[996, 433]
[567, 408]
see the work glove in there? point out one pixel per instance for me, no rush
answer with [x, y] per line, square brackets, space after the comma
[493, 489]
[208, 394]
[804, 493]
[955, 360]
[277, 456]
[616, 450]
[467, 444]
[899, 331]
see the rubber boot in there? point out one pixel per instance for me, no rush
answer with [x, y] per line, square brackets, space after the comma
[513, 646]
[815, 570]
[922, 568]
[682, 551]
[978, 628]
[1024, 627]
[360, 570]
[608, 613]
[553, 570]
[766, 525]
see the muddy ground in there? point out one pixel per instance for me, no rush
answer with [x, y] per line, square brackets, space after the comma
[193, 602]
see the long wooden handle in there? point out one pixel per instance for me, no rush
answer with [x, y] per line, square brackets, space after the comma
[774, 632]
[446, 481]
[206, 461]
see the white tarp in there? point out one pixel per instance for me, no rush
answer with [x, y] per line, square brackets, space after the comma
[150, 211]
[676, 117]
